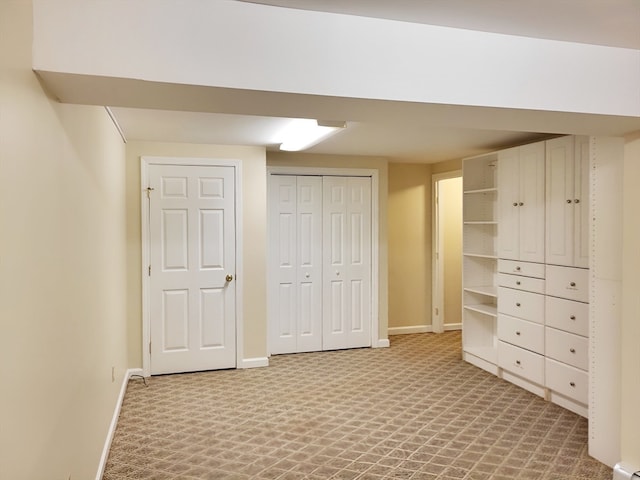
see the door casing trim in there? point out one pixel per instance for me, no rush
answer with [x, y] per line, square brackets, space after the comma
[376, 341]
[145, 163]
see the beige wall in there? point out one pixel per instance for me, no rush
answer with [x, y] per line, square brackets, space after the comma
[254, 212]
[62, 271]
[451, 198]
[298, 159]
[409, 245]
[630, 331]
[448, 166]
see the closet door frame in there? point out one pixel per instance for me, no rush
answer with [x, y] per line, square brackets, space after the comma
[376, 341]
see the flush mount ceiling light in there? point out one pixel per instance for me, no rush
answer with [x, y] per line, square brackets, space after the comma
[302, 133]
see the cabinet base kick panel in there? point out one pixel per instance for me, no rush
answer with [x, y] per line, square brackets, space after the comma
[524, 383]
[568, 403]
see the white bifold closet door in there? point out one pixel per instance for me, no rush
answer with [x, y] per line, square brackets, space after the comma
[320, 263]
[295, 229]
[347, 262]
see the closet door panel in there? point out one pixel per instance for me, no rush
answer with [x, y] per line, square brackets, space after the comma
[295, 238]
[347, 262]
[309, 263]
[283, 298]
[359, 213]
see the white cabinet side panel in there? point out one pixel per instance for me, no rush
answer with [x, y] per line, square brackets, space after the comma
[607, 155]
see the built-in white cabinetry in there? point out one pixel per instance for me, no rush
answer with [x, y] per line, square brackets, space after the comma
[521, 323]
[567, 337]
[521, 193]
[525, 231]
[479, 248]
[567, 210]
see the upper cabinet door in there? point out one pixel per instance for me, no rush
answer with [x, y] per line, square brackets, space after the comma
[531, 202]
[567, 202]
[508, 200]
[581, 203]
[521, 203]
[559, 237]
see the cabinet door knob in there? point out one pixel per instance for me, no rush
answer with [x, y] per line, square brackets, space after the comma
[517, 362]
[572, 350]
[572, 317]
[517, 304]
[517, 269]
[573, 384]
[577, 200]
[517, 282]
[568, 200]
[520, 204]
[515, 204]
[517, 333]
[572, 284]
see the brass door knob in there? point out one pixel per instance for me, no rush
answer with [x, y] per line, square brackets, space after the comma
[228, 278]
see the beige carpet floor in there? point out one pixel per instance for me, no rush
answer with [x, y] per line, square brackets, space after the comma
[411, 411]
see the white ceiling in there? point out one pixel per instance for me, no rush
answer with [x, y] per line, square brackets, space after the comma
[600, 22]
[402, 135]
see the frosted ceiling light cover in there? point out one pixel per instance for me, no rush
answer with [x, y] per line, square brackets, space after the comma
[302, 133]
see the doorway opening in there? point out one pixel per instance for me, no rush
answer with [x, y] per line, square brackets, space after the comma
[447, 251]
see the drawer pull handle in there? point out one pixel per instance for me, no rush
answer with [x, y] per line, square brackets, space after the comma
[517, 362]
[572, 350]
[517, 282]
[572, 284]
[517, 269]
[517, 333]
[572, 317]
[517, 304]
[573, 384]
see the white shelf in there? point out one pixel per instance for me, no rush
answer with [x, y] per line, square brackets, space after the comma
[480, 255]
[481, 222]
[489, 310]
[488, 290]
[481, 190]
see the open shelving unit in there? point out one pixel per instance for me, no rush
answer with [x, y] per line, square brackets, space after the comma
[479, 247]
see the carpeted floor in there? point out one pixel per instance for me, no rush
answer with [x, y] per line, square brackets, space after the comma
[412, 411]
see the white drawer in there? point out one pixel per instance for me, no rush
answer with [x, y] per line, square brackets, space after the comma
[567, 348]
[519, 282]
[522, 362]
[567, 380]
[567, 315]
[528, 269]
[522, 333]
[517, 303]
[568, 282]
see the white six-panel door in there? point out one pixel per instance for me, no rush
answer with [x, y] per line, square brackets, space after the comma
[295, 307]
[347, 262]
[320, 263]
[192, 265]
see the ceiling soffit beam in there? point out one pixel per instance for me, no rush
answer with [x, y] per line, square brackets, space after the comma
[251, 47]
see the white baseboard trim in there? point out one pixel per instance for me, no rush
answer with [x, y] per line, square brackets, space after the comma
[114, 420]
[254, 362]
[382, 343]
[411, 329]
[422, 329]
